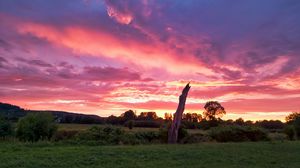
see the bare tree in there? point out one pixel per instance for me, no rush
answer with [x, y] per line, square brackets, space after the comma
[173, 130]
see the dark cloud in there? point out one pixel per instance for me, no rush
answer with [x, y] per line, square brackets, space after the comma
[109, 74]
[39, 73]
[2, 62]
[2, 59]
[5, 45]
[39, 63]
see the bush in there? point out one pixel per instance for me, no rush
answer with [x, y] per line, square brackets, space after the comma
[293, 128]
[278, 136]
[144, 123]
[130, 139]
[5, 128]
[237, 133]
[205, 124]
[297, 126]
[196, 138]
[64, 135]
[290, 132]
[147, 137]
[102, 135]
[113, 136]
[130, 124]
[182, 133]
[163, 134]
[35, 127]
[188, 125]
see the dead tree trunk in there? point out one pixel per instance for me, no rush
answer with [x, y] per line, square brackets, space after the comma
[173, 130]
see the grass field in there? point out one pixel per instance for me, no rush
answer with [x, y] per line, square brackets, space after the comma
[207, 155]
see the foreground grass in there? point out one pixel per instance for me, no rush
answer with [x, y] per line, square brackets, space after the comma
[210, 155]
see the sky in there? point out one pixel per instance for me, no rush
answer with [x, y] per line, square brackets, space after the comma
[106, 57]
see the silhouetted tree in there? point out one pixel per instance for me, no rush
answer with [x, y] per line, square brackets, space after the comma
[294, 120]
[229, 122]
[128, 115]
[292, 117]
[213, 111]
[196, 117]
[239, 121]
[249, 122]
[168, 116]
[147, 116]
[114, 120]
[270, 124]
[192, 117]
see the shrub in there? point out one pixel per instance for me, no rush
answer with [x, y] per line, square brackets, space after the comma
[103, 135]
[190, 125]
[146, 123]
[278, 136]
[293, 128]
[297, 126]
[290, 132]
[130, 124]
[35, 127]
[205, 124]
[182, 133]
[147, 137]
[196, 138]
[237, 133]
[130, 139]
[64, 135]
[163, 134]
[5, 128]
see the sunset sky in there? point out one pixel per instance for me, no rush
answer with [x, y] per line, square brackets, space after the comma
[105, 57]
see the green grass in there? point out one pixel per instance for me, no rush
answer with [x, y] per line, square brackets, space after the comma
[207, 155]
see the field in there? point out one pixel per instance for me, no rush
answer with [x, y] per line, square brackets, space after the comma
[209, 155]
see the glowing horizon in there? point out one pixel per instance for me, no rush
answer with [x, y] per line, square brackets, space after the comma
[106, 57]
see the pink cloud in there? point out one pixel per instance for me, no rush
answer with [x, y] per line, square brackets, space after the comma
[138, 55]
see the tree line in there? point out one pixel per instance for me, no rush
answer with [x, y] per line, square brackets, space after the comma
[38, 123]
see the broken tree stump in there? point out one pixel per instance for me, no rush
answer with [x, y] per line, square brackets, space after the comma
[173, 130]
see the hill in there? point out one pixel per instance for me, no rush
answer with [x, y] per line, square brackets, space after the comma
[13, 113]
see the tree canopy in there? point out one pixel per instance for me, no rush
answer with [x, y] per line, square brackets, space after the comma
[213, 110]
[292, 117]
